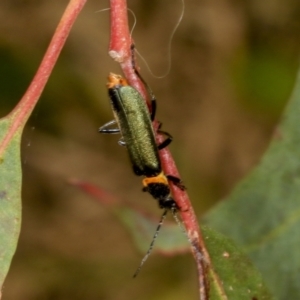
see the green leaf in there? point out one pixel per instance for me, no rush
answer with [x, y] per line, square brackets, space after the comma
[10, 196]
[263, 213]
[232, 270]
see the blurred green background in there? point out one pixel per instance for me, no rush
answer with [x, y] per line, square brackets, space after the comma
[233, 69]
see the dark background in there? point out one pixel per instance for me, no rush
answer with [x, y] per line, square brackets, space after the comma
[233, 68]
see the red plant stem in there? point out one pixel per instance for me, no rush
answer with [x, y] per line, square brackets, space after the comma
[119, 49]
[20, 114]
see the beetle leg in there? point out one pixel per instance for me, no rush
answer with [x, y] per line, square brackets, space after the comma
[177, 181]
[104, 129]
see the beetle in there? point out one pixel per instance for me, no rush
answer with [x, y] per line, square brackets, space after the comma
[134, 122]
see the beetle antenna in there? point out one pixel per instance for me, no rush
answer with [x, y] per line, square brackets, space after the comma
[196, 248]
[152, 243]
[179, 223]
[169, 47]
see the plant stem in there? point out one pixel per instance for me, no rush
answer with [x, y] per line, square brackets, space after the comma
[119, 49]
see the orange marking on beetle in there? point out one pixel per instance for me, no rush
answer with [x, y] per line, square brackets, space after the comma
[160, 178]
[114, 79]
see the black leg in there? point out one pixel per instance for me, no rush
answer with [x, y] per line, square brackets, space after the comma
[153, 108]
[104, 129]
[167, 141]
[177, 181]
